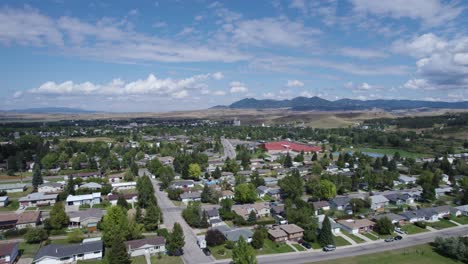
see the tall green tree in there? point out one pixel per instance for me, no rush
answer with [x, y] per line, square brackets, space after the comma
[243, 253]
[176, 239]
[327, 190]
[145, 192]
[37, 176]
[152, 217]
[245, 193]
[115, 224]
[117, 254]
[326, 235]
[292, 185]
[58, 218]
[258, 238]
[287, 161]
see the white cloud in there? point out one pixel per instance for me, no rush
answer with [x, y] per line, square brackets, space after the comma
[17, 94]
[430, 12]
[420, 46]
[417, 84]
[362, 53]
[218, 75]
[198, 18]
[180, 94]
[159, 24]
[238, 87]
[306, 94]
[363, 87]
[219, 93]
[294, 83]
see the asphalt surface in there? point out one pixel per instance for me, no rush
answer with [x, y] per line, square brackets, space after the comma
[229, 150]
[360, 249]
[173, 214]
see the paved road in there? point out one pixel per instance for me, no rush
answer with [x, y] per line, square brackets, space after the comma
[172, 214]
[360, 249]
[229, 150]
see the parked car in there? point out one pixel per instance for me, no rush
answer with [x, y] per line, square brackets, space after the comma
[329, 248]
[207, 251]
[389, 239]
[398, 238]
[306, 245]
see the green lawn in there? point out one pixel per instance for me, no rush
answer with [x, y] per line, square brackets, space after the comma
[390, 152]
[417, 254]
[17, 195]
[412, 229]
[32, 208]
[315, 245]
[298, 247]
[442, 224]
[339, 241]
[269, 247]
[139, 260]
[371, 235]
[356, 238]
[221, 252]
[12, 206]
[95, 261]
[28, 250]
[164, 259]
[460, 219]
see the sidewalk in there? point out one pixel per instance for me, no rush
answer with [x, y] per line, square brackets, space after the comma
[363, 237]
[346, 238]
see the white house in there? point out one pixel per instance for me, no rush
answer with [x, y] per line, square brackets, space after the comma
[131, 198]
[463, 209]
[91, 199]
[13, 187]
[378, 202]
[405, 179]
[123, 186]
[63, 254]
[50, 187]
[190, 197]
[3, 201]
[151, 245]
[38, 199]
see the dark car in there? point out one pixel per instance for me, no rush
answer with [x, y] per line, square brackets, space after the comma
[177, 253]
[329, 248]
[389, 239]
[207, 251]
[398, 238]
[306, 245]
[161, 188]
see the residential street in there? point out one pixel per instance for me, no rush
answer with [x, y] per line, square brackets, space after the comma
[229, 150]
[360, 249]
[173, 214]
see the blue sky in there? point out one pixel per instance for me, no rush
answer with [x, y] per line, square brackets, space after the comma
[182, 55]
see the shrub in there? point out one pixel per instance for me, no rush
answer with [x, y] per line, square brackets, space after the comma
[163, 232]
[230, 244]
[420, 224]
[35, 235]
[214, 237]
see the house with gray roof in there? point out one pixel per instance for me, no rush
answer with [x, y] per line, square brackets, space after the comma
[399, 198]
[187, 197]
[151, 245]
[340, 203]
[395, 218]
[13, 187]
[38, 199]
[378, 202]
[463, 209]
[55, 253]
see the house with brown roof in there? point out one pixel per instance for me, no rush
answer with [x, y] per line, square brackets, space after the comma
[354, 226]
[28, 219]
[131, 198]
[8, 253]
[151, 245]
[227, 194]
[277, 235]
[260, 209]
[293, 231]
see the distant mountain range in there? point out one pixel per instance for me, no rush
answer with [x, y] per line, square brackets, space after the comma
[317, 103]
[51, 110]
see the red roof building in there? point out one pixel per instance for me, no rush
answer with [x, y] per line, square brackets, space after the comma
[286, 146]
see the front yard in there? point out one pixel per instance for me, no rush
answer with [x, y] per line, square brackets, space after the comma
[442, 224]
[269, 247]
[356, 238]
[460, 219]
[339, 241]
[412, 229]
[371, 235]
[28, 250]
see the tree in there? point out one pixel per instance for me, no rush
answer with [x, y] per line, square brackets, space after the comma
[214, 237]
[194, 171]
[384, 226]
[115, 224]
[243, 253]
[216, 173]
[145, 192]
[152, 217]
[176, 240]
[428, 182]
[117, 254]
[245, 193]
[122, 202]
[256, 179]
[326, 235]
[314, 157]
[58, 218]
[35, 235]
[292, 185]
[129, 175]
[206, 194]
[252, 217]
[75, 236]
[258, 238]
[138, 215]
[288, 161]
[327, 190]
[37, 176]
[166, 176]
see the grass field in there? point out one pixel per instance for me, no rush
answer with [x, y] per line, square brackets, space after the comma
[390, 152]
[28, 250]
[298, 247]
[371, 236]
[341, 241]
[356, 238]
[412, 229]
[166, 260]
[12, 206]
[139, 260]
[417, 254]
[17, 195]
[442, 224]
[461, 220]
[269, 247]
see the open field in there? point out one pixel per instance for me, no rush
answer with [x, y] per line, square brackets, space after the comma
[418, 254]
[319, 119]
[390, 152]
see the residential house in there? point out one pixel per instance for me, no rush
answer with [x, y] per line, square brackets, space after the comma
[13, 187]
[400, 198]
[463, 209]
[264, 173]
[115, 178]
[234, 234]
[270, 181]
[340, 203]
[260, 209]
[168, 160]
[91, 199]
[131, 198]
[8, 253]
[3, 201]
[38, 199]
[274, 193]
[405, 179]
[150, 245]
[262, 191]
[227, 194]
[85, 175]
[277, 235]
[443, 190]
[63, 254]
[187, 197]
[277, 210]
[395, 218]
[335, 227]
[28, 219]
[123, 185]
[8, 221]
[321, 206]
[378, 202]
[423, 214]
[86, 219]
[91, 186]
[355, 226]
[293, 231]
[50, 187]
[182, 184]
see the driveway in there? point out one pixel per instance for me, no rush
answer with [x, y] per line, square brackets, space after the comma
[173, 214]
